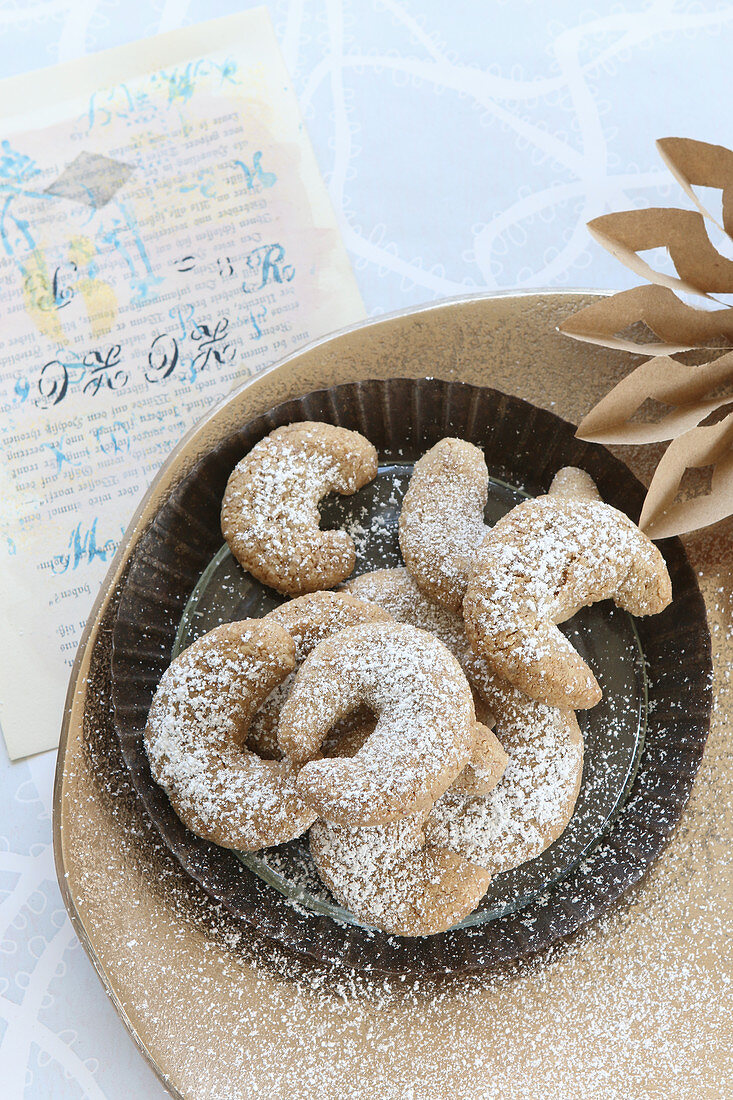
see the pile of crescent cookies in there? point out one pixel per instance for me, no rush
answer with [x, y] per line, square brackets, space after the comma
[418, 722]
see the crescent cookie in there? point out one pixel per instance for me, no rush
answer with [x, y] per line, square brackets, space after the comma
[534, 798]
[542, 562]
[308, 620]
[442, 519]
[424, 736]
[387, 876]
[396, 591]
[270, 517]
[195, 736]
[496, 699]
[533, 801]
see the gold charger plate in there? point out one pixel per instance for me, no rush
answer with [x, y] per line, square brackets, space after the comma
[218, 1015]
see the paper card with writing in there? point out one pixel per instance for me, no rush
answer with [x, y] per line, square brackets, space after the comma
[164, 233]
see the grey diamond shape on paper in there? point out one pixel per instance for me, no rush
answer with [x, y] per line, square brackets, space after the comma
[91, 179]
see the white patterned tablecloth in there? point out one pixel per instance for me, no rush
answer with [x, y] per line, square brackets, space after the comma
[465, 145]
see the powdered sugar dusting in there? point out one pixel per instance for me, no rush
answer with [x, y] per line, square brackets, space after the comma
[424, 734]
[270, 515]
[308, 620]
[385, 876]
[194, 734]
[541, 563]
[534, 799]
[530, 805]
[442, 520]
[616, 1013]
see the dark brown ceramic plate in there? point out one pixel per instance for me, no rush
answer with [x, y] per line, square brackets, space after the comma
[657, 671]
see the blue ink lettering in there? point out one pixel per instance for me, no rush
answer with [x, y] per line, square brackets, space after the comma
[57, 450]
[114, 439]
[257, 318]
[82, 549]
[267, 264]
[256, 174]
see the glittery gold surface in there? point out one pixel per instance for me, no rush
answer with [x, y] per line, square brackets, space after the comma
[637, 1005]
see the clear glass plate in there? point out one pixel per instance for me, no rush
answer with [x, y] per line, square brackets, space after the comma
[613, 731]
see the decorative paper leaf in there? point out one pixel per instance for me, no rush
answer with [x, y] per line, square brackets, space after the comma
[690, 392]
[699, 164]
[679, 327]
[664, 514]
[698, 263]
[662, 398]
